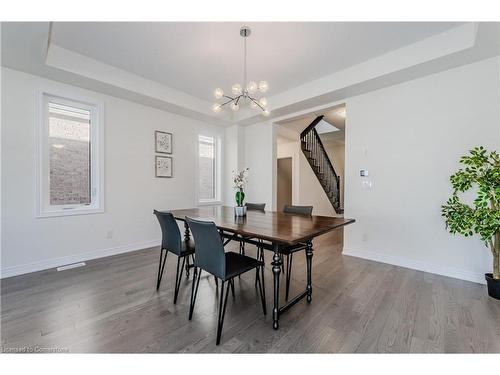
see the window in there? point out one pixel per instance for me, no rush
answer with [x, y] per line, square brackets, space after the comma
[208, 169]
[69, 178]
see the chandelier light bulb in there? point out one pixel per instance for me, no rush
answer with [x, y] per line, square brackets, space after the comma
[216, 108]
[236, 89]
[252, 87]
[218, 93]
[263, 86]
[247, 93]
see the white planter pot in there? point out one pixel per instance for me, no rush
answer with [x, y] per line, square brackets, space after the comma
[240, 211]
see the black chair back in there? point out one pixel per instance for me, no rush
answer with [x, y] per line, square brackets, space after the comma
[209, 252]
[298, 210]
[170, 233]
[256, 206]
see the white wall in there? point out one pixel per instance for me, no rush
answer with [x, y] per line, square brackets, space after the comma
[234, 159]
[231, 162]
[410, 138]
[260, 157]
[131, 190]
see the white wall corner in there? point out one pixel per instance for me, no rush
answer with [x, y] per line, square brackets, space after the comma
[418, 265]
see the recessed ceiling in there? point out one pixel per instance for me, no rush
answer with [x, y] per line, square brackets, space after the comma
[289, 130]
[324, 127]
[197, 57]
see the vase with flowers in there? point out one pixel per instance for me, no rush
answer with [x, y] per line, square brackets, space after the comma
[240, 179]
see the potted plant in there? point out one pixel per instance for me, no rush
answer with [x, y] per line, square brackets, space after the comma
[482, 171]
[240, 179]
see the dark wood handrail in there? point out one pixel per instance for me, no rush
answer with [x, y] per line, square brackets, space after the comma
[311, 126]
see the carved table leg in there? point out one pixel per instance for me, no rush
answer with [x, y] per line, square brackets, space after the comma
[276, 263]
[187, 267]
[309, 256]
[186, 232]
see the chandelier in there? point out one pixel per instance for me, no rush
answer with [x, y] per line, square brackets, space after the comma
[242, 95]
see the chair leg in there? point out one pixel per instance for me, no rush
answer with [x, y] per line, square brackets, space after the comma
[289, 260]
[194, 293]
[161, 267]
[222, 311]
[178, 276]
[242, 251]
[260, 256]
[231, 282]
[262, 290]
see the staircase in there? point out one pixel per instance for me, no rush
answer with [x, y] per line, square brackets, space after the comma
[318, 159]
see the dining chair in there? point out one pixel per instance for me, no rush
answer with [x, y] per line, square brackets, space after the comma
[171, 241]
[260, 251]
[210, 257]
[256, 206]
[252, 207]
[288, 252]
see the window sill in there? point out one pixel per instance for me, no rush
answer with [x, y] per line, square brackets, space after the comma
[71, 212]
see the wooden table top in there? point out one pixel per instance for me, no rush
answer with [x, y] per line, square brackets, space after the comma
[269, 225]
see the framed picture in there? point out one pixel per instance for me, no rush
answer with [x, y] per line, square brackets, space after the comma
[163, 142]
[163, 165]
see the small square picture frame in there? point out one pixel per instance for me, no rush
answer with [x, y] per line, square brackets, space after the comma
[163, 166]
[163, 142]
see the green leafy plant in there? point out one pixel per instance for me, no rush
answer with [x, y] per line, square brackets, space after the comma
[481, 170]
[240, 179]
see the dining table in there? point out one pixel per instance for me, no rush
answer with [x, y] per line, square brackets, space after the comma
[270, 230]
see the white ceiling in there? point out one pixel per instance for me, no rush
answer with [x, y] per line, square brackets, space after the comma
[197, 57]
[176, 66]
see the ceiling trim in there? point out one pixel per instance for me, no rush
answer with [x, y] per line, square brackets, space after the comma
[458, 46]
[72, 62]
[394, 67]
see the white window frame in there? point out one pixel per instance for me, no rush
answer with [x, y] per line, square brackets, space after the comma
[218, 170]
[43, 206]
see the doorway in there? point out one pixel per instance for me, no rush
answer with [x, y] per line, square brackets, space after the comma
[318, 174]
[284, 181]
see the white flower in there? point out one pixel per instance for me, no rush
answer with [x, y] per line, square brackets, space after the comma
[240, 179]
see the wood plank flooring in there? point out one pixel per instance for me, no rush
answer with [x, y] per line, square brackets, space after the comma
[359, 306]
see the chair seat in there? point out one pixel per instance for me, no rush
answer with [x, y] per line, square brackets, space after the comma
[187, 248]
[237, 264]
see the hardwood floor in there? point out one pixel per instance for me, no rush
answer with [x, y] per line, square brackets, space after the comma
[111, 305]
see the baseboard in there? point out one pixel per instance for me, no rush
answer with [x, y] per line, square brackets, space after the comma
[417, 265]
[57, 262]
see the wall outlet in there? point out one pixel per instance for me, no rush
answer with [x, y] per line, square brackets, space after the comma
[109, 234]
